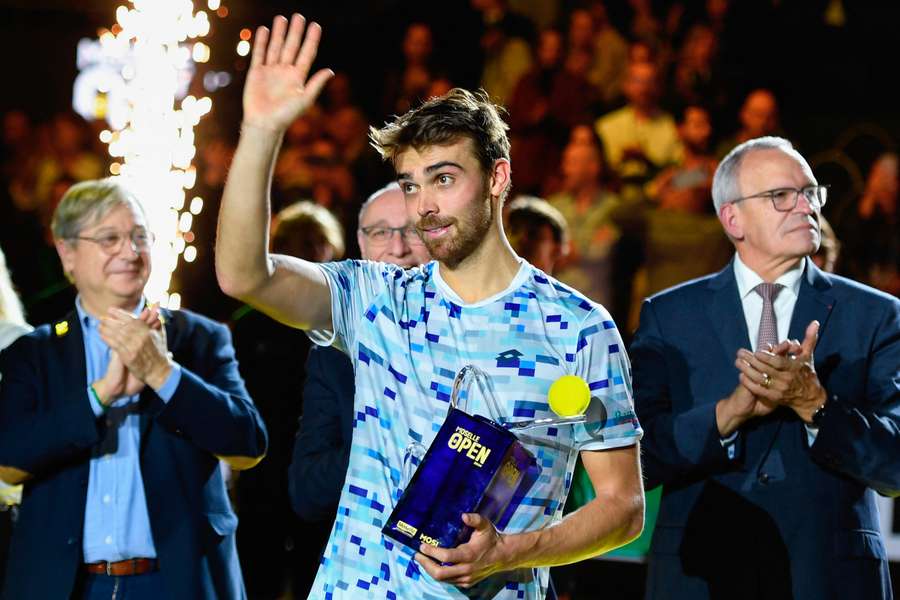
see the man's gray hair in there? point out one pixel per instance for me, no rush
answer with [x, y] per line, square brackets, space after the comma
[390, 187]
[725, 185]
[88, 202]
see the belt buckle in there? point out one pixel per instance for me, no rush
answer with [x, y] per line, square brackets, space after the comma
[108, 569]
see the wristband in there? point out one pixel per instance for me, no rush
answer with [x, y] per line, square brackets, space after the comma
[96, 396]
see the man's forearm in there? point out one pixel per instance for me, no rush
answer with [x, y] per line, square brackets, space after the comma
[242, 261]
[603, 524]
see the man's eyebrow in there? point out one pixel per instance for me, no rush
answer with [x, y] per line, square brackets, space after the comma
[432, 168]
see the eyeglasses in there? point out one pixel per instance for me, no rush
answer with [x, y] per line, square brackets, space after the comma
[382, 235]
[111, 242]
[785, 199]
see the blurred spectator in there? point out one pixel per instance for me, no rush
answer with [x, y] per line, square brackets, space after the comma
[12, 325]
[17, 140]
[696, 75]
[272, 358]
[829, 252]
[505, 43]
[537, 231]
[640, 139]
[681, 236]
[587, 206]
[71, 155]
[546, 103]
[408, 85]
[758, 118]
[871, 233]
[645, 25]
[590, 31]
[686, 186]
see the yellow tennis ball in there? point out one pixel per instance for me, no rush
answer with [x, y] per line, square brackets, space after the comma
[569, 396]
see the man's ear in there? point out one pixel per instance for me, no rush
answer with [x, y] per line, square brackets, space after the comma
[730, 217]
[500, 177]
[66, 256]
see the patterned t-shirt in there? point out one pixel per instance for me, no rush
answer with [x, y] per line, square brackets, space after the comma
[408, 334]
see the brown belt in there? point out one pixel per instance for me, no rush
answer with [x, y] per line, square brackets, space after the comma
[132, 566]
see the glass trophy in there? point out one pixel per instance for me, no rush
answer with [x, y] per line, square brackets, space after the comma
[476, 464]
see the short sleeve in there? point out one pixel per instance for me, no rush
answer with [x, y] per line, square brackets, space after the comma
[601, 360]
[354, 285]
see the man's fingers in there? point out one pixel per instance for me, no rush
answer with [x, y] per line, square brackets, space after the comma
[259, 46]
[810, 339]
[276, 40]
[317, 82]
[292, 44]
[757, 389]
[476, 521]
[442, 555]
[451, 573]
[309, 49]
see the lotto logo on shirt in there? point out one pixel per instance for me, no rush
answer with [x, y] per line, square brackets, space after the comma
[463, 440]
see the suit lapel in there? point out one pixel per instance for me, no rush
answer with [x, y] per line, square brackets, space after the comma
[69, 348]
[814, 302]
[726, 312]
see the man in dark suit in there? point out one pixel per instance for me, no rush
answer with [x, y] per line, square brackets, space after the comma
[322, 448]
[115, 418]
[769, 450]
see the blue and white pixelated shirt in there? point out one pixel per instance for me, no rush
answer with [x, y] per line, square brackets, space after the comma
[408, 334]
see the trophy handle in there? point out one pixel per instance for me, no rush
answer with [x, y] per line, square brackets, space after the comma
[463, 383]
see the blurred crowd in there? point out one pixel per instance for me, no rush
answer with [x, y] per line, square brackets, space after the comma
[617, 125]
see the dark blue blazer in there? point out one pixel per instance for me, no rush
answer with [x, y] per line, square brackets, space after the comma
[48, 429]
[783, 519]
[322, 447]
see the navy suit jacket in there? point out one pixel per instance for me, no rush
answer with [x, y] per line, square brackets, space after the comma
[322, 447]
[47, 428]
[783, 519]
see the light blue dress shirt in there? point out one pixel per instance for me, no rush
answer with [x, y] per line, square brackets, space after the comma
[116, 520]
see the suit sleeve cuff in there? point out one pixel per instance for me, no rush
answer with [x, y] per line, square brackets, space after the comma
[168, 388]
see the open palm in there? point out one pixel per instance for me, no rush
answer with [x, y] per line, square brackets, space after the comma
[277, 90]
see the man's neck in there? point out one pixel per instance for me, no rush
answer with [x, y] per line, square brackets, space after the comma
[98, 307]
[769, 269]
[487, 271]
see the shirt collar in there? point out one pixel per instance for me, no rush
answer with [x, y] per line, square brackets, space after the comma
[89, 322]
[747, 279]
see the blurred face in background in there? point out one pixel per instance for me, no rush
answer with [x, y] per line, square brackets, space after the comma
[640, 85]
[380, 235]
[580, 167]
[696, 129]
[759, 115]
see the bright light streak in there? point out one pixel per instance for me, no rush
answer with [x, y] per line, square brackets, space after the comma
[155, 147]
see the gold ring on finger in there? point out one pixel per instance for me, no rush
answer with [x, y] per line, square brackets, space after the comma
[767, 381]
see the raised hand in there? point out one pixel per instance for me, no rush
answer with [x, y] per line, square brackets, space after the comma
[277, 90]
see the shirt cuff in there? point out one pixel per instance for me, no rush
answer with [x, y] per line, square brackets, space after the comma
[730, 444]
[811, 433]
[168, 388]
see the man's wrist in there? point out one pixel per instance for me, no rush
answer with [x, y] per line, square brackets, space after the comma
[261, 130]
[727, 421]
[100, 393]
[157, 378]
[813, 413]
